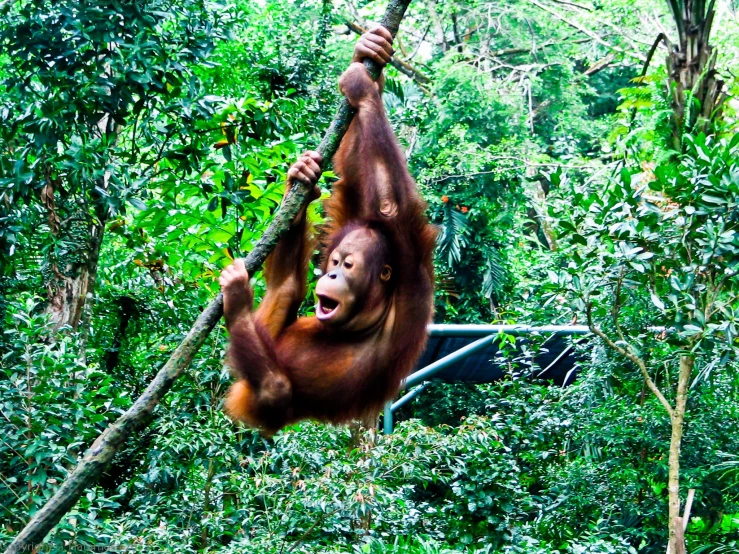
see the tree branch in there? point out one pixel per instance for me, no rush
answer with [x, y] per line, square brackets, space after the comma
[661, 38]
[617, 306]
[97, 457]
[587, 32]
[529, 50]
[572, 5]
[600, 65]
[420, 43]
[629, 356]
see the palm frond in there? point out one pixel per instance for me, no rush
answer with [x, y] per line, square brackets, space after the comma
[715, 548]
[495, 276]
[401, 94]
[452, 239]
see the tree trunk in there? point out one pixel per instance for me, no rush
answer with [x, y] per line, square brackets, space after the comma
[71, 283]
[82, 233]
[440, 31]
[676, 540]
[693, 77]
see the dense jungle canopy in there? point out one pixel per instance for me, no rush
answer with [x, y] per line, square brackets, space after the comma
[581, 161]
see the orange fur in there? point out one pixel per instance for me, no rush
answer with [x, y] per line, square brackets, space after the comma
[240, 403]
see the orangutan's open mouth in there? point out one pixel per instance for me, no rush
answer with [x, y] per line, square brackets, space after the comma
[326, 306]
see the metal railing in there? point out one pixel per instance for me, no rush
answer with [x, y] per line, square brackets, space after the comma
[487, 334]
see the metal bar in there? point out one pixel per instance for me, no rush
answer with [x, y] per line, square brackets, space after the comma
[566, 352]
[471, 330]
[387, 420]
[410, 396]
[428, 371]
[487, 332]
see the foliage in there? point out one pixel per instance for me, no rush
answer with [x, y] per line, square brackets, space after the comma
[548, 167]
[669, 233]
[653, 264]
[50, 413]
[90, 109]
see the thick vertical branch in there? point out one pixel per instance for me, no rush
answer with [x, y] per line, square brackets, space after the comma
[675, 523]
[97, 457]
[206, 502]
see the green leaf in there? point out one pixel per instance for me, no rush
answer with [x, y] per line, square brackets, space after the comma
[713, 199]
[220, 235]
[137, 203]
[656, 301]
[691, 330]
[567, 226]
